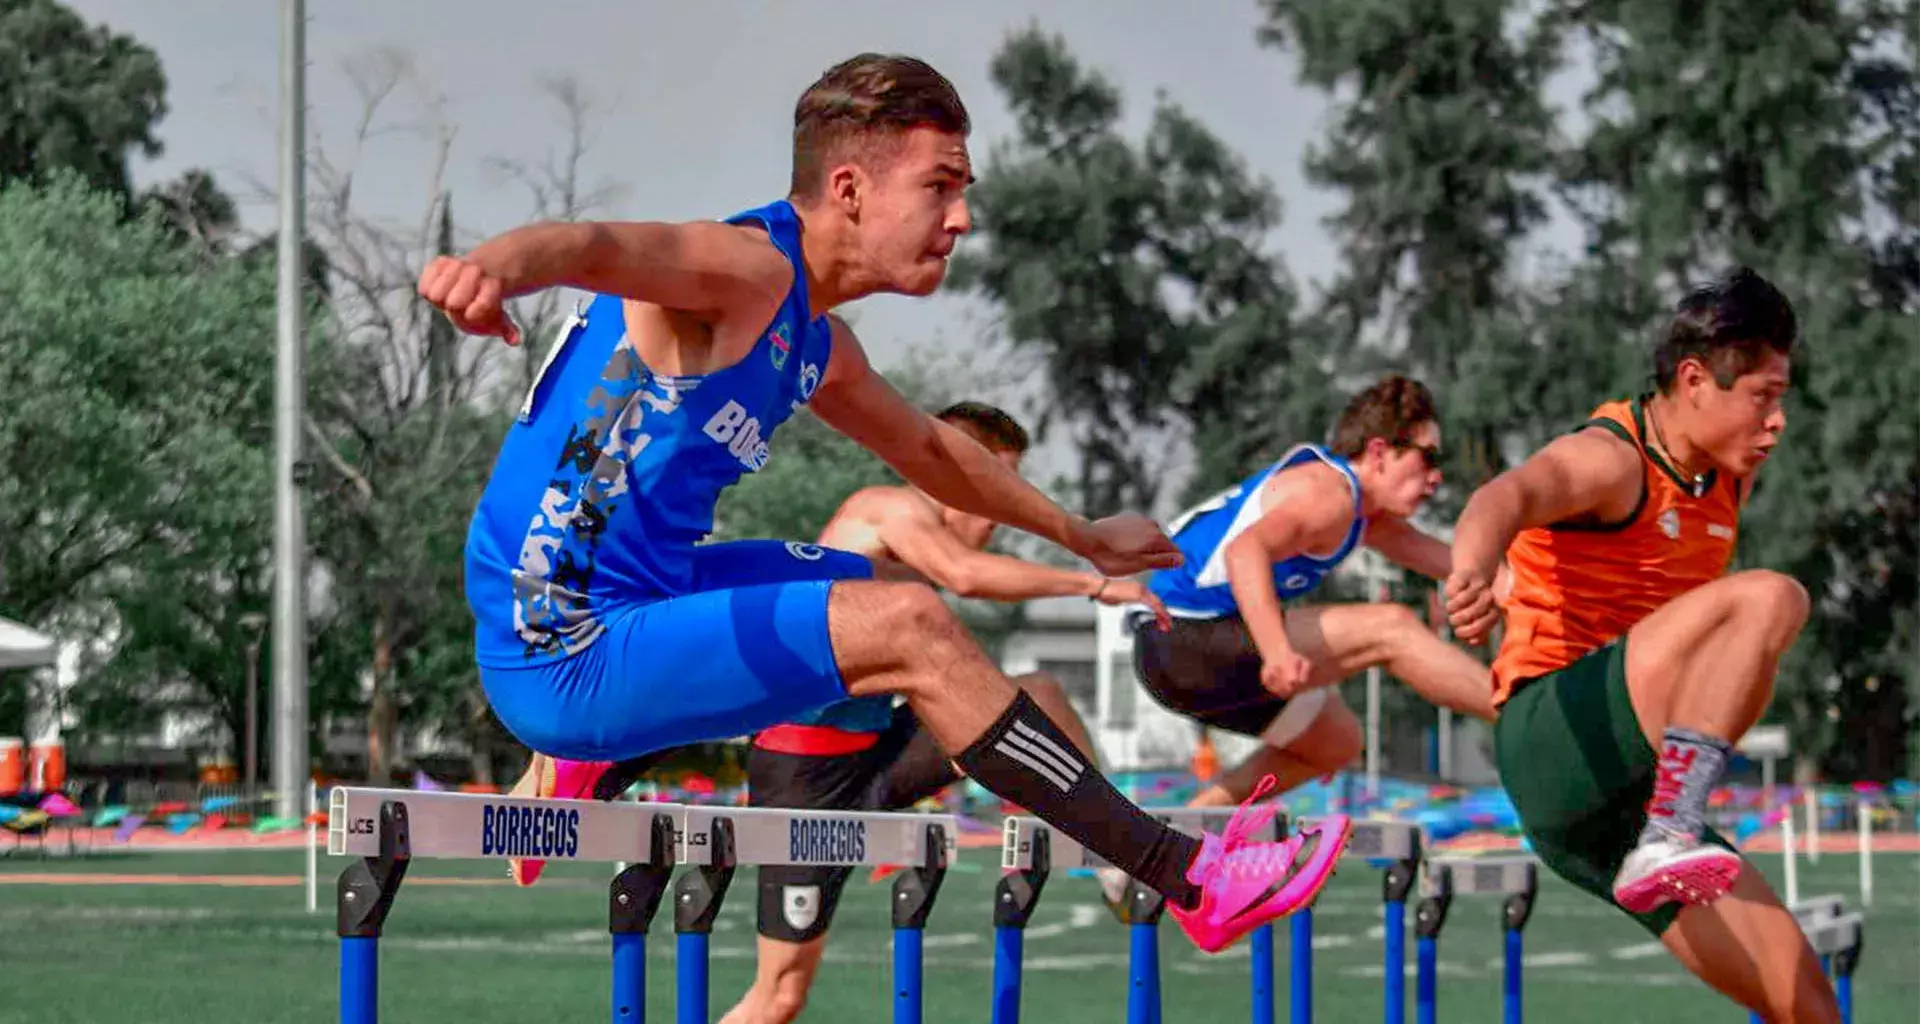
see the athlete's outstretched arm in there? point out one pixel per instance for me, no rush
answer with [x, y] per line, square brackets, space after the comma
[702, 267]
[1587, 474]
[956, 471]
[912, 530]
[1404, 545]
[1295, 513]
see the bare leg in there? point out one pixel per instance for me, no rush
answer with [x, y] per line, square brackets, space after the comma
[780, 983]
[1343, 639]
[1706, 660]
[1747, 946]
[1705, 663]
[1328, 741]
[902, 638]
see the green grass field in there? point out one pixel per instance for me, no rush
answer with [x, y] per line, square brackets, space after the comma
[90, 952]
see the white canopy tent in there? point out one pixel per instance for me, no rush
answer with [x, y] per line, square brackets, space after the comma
[21, 647]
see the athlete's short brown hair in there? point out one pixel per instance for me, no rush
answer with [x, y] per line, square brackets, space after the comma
[1390, 410]
[991, 426]
[863, 103]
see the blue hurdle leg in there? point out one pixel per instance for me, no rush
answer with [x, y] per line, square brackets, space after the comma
[1426, 990]
[359, 981]
[690, 978]
[1009, 944]
[1300, 983]
[1843, 991]
[906, 975]
[633, 899]
[364, 896]
[1014, 899]
[1143, 974]
[629, 979]
[1396, 963]
[913, 894]
[1513, 962]
[1262, 995]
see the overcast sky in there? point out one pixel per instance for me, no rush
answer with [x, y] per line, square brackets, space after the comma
[696, 99]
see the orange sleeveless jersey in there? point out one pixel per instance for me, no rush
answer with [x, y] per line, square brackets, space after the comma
[1577, 588]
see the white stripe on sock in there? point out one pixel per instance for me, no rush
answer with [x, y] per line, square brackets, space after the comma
[1066, 760]
[1067, 767]
[1044, 771]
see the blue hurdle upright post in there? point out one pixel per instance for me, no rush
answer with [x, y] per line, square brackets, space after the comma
[1014, 898]
[697, 896]
[1395, 884]
[913, 896]
[1397, 843]
[632, 900]
[1515, 878]
[1428, 919]
[1140, 910]
[365, 896]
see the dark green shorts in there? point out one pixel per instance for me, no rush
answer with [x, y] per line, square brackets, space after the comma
[1572, 757]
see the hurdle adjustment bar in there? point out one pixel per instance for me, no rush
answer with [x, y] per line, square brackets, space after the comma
[364, 897]
[632, 900]
[697, 896]
[1014, 898]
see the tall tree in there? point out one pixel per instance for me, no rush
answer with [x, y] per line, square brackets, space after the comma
[1775, 134]
[1438, 148]
[1137, 270]
[79, 97]
[405, 442]
[131, 469]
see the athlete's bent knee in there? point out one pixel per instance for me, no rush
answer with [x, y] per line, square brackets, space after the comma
[1777, 592]
[1338, 741]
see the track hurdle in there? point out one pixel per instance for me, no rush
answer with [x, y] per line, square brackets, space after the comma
[1031, 850]
[1397, 843]
[1515, 878]
[386, 830]
[716, 840]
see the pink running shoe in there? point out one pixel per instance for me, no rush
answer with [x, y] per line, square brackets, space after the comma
[551, 778]
[1244, 883]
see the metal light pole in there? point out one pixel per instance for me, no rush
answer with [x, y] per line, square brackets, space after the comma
[252, 622]
[290, 759]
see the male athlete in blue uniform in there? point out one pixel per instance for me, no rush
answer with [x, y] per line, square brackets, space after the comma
[1233, 661]
[606, 629]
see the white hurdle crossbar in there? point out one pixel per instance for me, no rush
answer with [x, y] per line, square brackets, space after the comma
[1031, 849]
[386, 829]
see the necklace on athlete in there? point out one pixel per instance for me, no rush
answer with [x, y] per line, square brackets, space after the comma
[1699, 485]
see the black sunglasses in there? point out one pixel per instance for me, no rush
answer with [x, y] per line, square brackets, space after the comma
[1428, 454]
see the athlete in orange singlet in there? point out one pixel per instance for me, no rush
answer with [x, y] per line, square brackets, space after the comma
[1625, 636]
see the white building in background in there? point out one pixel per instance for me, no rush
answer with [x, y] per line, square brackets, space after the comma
[1084, 645]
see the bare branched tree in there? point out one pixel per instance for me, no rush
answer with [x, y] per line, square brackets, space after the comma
[401, 419]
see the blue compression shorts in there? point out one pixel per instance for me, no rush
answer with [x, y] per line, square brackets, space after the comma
[746, 649]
